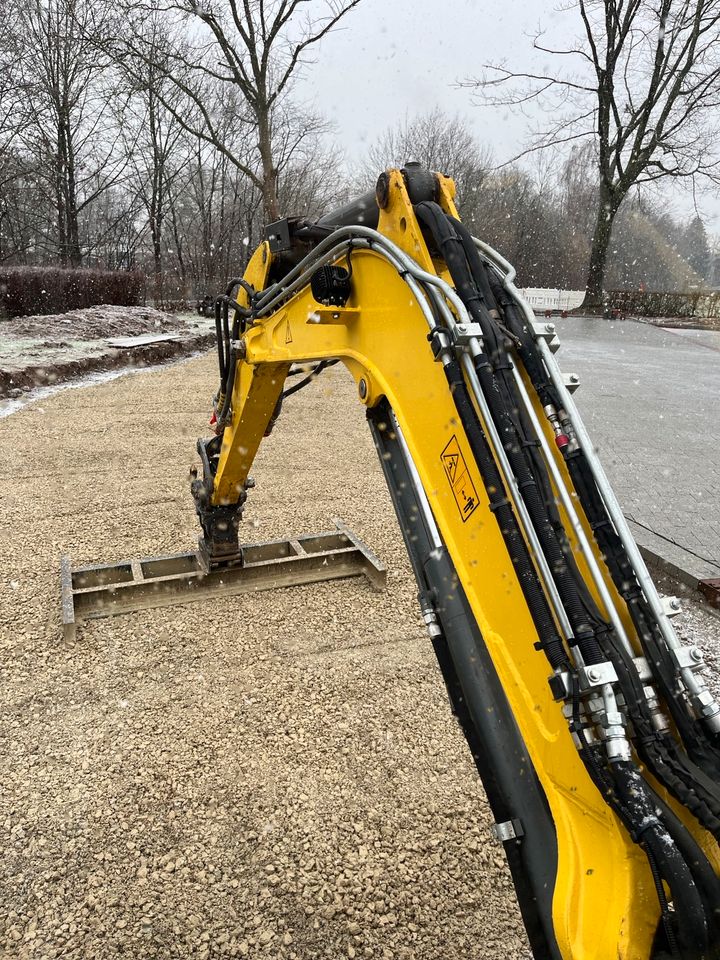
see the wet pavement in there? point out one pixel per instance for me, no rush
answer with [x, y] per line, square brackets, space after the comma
[651, 400]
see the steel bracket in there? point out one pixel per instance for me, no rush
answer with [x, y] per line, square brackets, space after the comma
[671, 606]
[688, 658]
[597, 675]
[546, 331]
[463, 333]
[507, 830]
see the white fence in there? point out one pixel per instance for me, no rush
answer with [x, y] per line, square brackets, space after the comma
[541, 298]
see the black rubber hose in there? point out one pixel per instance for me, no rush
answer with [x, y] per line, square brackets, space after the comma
[240, 282]
[226, 324]
[220, 345]
[634, 794]
[313, 375]
[518, 326]
[500, 505]
[665, 916]
[500, 405]
[705, 877]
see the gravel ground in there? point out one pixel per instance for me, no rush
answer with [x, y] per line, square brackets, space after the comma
[268, 776]
[271, 776]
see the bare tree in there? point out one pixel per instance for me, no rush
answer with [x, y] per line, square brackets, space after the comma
[64, 127]
[253, 48]
[439, 142]
[11, 98]
[645, 89]
[152, 139]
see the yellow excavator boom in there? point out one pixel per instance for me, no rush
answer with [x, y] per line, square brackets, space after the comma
[589, 722]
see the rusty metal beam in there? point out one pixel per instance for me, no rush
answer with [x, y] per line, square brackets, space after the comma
[138, 584]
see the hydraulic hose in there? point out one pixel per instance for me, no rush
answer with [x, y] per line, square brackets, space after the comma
[664, 856]
[500, 506]
[648, 830]
[222, 364]
[501, 403]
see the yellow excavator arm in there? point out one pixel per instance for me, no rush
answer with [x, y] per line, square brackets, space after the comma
[588, 721]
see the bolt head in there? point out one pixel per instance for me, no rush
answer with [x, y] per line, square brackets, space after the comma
[462, 328]
[696, 654]
[574, 378]
[362, 389]
[550, 327]
[675, 603]
[593, 676]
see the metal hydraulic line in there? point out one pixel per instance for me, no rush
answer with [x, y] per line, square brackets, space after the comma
[702, 700]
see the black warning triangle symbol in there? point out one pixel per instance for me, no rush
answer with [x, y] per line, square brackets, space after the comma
[451, 462]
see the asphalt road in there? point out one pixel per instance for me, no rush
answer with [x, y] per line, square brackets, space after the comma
[651, 400]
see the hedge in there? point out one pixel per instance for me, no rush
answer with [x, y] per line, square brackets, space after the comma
[638, 303]
[25, 291]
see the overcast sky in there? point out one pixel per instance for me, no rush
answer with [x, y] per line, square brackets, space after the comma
[394, 58]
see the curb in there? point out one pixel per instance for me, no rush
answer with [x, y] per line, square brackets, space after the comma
[672, 559]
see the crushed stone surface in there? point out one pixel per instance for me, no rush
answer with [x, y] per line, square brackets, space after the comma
[271, 776]
[274, 776]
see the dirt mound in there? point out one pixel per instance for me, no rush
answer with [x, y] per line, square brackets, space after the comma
[43, 351]
[93, 323]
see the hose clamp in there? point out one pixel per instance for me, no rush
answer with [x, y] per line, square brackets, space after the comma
[463, 333]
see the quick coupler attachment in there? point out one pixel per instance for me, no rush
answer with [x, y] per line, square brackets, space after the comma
[219, 545]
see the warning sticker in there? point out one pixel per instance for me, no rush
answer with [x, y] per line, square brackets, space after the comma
[460, 481]
[288, 333]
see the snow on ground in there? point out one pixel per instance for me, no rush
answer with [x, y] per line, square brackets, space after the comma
[40, 352]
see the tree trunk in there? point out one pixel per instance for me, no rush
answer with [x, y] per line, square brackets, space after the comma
[178, 242]
[73, 224]
[271, 205]
[607, 208]
[155, 218]
[60, 161]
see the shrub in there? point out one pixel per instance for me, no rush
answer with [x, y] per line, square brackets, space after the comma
[701, 303]
[25, 291]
